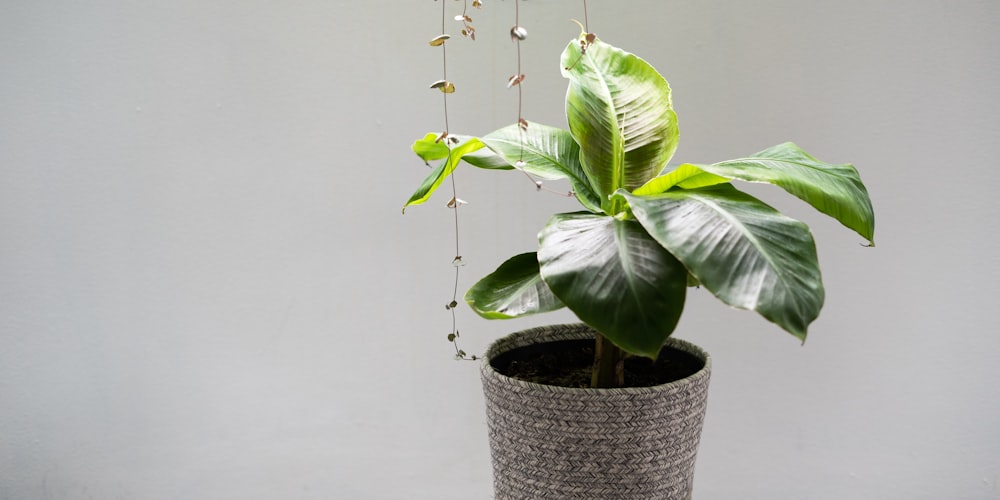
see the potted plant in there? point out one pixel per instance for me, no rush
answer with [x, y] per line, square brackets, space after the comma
[645, 234]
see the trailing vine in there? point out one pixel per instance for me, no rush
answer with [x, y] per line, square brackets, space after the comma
[518, 34]
[447, 87]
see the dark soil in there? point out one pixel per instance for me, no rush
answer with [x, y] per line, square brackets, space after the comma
[568, 363]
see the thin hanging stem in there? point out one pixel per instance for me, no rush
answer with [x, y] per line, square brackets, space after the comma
[455, 204]
[518, 34]
[444, 72]
[520, 94]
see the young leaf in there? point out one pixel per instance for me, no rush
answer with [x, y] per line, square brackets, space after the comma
[443, 170]
[514, 289]
[487, 159]
[614, 277]
[686, 176]
[743, 251]
[835, 190]
[429, 148]
[619, 111]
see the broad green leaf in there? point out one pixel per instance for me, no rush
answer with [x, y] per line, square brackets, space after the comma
[743, 251]
[619, 111]
[686, 176]
[442, 171]
[514, 289]
[614, 277]
[835, 190]
[547, 152]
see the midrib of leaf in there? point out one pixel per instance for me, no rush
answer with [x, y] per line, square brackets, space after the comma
[618, 146]
[530, 285]
[747, 233]
[621, 237]
[529, 146]
[774, 160]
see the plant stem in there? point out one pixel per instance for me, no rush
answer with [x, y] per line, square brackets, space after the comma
[609, 364]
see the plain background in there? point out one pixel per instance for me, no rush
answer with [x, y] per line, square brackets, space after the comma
[207, 290]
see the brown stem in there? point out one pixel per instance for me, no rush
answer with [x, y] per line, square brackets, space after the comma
[609, 364]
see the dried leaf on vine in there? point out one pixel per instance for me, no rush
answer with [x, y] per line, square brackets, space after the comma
[463, 18]
[518, 33]
[439, 40]
[514, 80]
[444, 86]
[522, 124]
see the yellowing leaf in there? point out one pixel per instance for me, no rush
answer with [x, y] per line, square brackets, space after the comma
[439, 40]
[444, 86]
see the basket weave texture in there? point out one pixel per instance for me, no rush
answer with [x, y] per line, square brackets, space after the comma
[550, 442]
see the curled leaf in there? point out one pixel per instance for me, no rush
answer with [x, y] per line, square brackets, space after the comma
[514, 80]
[444, 86]
[463, 18]
[456, 202]
[477, 4]
[518, 34]
[439, 40]
[522, 123]
[441, 137]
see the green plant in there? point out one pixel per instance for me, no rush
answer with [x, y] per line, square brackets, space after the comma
[648, 232]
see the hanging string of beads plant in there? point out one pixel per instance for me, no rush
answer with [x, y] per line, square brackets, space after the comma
[451, 149]
[452, 152]
[519, 34]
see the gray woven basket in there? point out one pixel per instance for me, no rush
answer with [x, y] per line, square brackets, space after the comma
[551, 442]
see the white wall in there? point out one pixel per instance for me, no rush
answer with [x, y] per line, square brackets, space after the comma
[207, 290]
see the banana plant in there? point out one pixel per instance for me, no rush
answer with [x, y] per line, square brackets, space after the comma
[646, 232]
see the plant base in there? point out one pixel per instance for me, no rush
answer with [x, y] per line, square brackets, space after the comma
[558, 442]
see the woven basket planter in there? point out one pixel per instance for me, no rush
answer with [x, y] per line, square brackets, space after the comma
[551, 442]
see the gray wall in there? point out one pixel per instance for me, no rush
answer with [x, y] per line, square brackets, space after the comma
[207, 290]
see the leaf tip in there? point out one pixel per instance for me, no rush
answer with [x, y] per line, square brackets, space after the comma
[801, 336]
